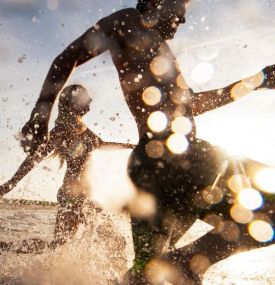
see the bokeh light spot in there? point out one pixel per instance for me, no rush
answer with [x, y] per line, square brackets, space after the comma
[177, 143]
[212, 195]
[239, 90]
[261, 231]
[143, 205]
[157, 121]
[203, 72]
[181, 125]
[160, 272]
[230, 231]
[151, 96]
[160, 65]
[199, 264]
[265, 180]
[238, 182]
[250, 199]
[241, 214]
[154, 149]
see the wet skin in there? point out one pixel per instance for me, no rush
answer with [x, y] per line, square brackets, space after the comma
[137, 44]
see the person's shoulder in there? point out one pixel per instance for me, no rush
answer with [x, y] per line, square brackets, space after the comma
[125, 15]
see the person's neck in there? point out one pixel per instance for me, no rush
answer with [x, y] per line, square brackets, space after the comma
[73, 123]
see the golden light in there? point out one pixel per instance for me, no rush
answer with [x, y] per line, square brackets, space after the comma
[265, 180]
[177, 143]
[157, 121]
[143, 205]
[180, 96]
[154, 149]
[160, 65]
[241, 214]
[261, 231]
[240, 89]
[254, 81]
[238, 182]
[181, 125]
[151, 96]
[159, 271]
[250, 199]
[212, 195]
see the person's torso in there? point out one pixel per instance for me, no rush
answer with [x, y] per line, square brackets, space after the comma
[149, 76]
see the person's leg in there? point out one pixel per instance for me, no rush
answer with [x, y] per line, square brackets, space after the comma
[168, 182]
[69, 216]
[228, 236]
[195, 259]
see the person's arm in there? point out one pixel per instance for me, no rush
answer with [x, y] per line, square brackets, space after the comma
[26, 166]
[93, 42]
[210, 100]
[108, 145]
[98, 143]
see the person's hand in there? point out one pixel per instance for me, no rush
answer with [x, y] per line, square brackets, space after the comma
[33, 136]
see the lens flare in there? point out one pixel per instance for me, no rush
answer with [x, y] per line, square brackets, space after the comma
[250, 199]
[177, 143]
[157, 121]
[181, 125]
[261, 231]
[265, 180]
[151, 96]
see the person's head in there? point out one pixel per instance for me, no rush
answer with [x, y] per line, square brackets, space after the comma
[74, 101]
[170, 14]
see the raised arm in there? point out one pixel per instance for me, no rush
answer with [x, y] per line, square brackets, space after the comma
[93, 42]
[210, 100]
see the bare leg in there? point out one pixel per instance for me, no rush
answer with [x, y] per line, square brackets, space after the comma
[68, 218]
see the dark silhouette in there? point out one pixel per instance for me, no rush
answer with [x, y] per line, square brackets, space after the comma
[156, 95]
[73, 142]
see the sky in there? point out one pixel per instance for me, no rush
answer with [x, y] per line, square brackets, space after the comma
[221, 42]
